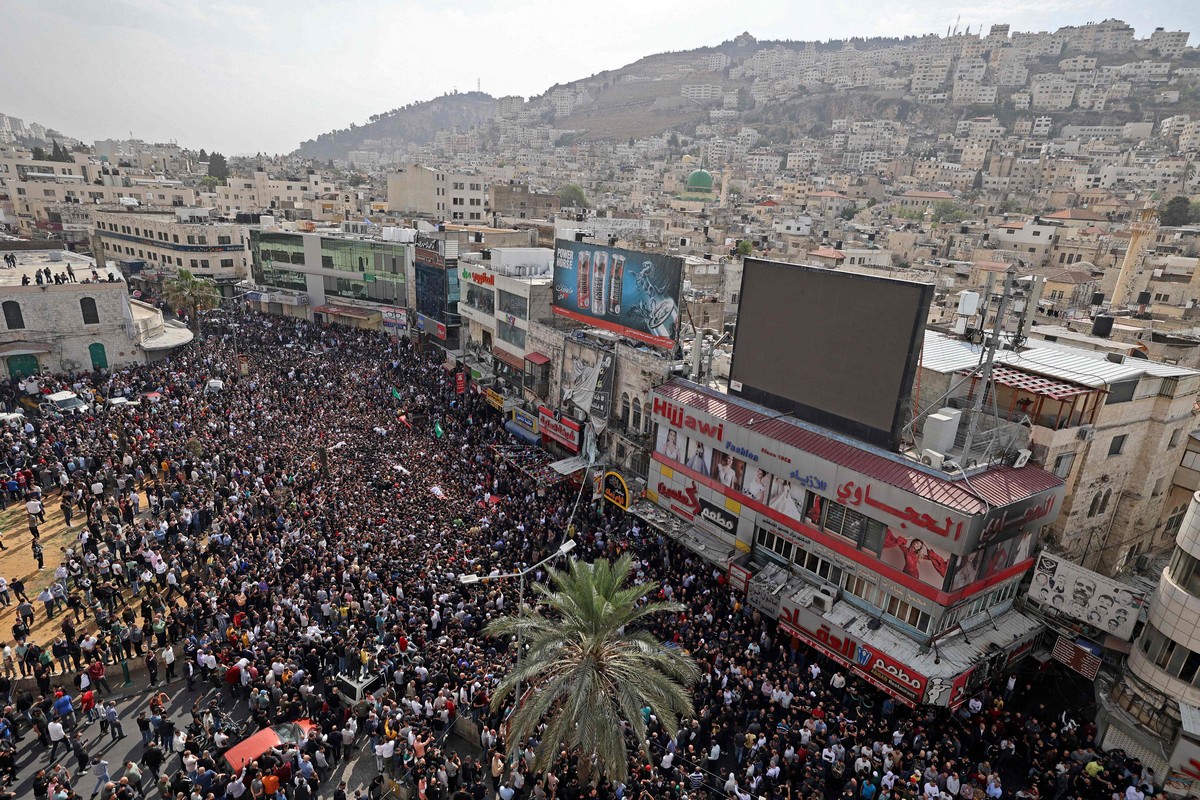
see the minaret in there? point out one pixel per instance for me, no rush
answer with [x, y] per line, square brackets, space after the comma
[1145, 224]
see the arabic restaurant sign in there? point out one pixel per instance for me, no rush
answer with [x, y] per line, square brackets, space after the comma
[1028, 515]
[616, 491]
[878, 668]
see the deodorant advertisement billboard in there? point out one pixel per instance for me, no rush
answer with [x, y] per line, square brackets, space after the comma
[624, 291]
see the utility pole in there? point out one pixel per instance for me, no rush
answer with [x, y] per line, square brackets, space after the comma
[986, 375]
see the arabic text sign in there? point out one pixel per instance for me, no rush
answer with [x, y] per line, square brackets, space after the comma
[1077, 658]
[877, 667]
[1087, 596]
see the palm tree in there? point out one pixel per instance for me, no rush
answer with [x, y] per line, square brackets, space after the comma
[590, 670]
[185, 290]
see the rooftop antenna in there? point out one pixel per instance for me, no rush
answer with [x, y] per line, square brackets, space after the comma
[986, 374]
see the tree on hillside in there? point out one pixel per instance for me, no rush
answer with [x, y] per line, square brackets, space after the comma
[217, 166]
[946, 211]
[1175, 211]
[590, 669]
[192, 294]
[572, 196]
[38, 154]
[203, 154]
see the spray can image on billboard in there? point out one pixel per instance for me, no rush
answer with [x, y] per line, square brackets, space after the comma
[616, 276]
[583, 279]
[599, 283]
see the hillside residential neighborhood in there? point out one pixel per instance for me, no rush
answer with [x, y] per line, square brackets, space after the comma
[575, 277]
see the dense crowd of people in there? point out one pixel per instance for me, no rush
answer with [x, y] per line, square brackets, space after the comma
[311, 519]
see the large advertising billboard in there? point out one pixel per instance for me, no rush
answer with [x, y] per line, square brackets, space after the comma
[837, 349]
[631, 293]
[1087, 596]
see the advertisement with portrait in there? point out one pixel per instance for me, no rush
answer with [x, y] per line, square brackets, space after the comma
[670, 445]
[916, 558]
[1086, 596]
[727, 470]
[699, 457]
[631, 293]
[756, 484]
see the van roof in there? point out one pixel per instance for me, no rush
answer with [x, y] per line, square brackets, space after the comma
[57, 396]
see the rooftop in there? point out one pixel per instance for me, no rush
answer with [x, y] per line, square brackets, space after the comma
[29, 262]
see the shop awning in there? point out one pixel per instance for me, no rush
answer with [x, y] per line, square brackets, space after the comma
[537, 358]
[525, 436]
[569, 466]
[508, 358]
[23, 349]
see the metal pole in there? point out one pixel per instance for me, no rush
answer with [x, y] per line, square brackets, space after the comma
[520, 644]
[985, 375]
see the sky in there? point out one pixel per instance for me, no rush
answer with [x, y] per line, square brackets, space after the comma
[261, 75]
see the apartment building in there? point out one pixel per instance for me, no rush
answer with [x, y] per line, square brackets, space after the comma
[1100, 420]
[416, 189]
[1169, 44]
[260, 192]
[520, 201]
[151, 246]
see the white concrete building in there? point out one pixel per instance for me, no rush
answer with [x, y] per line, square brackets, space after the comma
[414, 189]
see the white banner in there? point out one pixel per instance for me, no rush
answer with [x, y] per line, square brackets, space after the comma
[1087, 596]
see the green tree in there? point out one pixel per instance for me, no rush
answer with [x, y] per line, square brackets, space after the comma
[745, 247]
[589, 667]
[38, 153]
[946, 211]
[1175, 211]
[357, 179]
[203, 154]
[217, 166]
[572, 196]
[188, 292]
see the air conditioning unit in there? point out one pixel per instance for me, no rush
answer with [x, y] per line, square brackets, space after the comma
[822, 603]
[1085, 433]
[1143, 562]
[1022, 458]
[932, 458]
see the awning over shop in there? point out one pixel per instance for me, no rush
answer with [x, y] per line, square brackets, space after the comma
[23, 349]
[508, 358]
[537, 358]
[522, 434]
[707, 546]
[569, 466]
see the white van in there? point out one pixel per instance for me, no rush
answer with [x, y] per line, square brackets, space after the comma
[66, 403]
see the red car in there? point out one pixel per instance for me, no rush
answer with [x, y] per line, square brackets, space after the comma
[254, 746]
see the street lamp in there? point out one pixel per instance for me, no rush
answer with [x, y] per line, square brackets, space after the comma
[471, 578]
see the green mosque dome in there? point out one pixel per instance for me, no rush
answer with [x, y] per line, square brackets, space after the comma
[700, 181]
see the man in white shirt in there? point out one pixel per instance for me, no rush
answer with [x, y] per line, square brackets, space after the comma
[57, 736]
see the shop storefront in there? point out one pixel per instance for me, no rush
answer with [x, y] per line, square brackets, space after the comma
[881, 539]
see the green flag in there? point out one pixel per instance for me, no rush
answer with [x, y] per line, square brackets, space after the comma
[396, 394]
[437, 430]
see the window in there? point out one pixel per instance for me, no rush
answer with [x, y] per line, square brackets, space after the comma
[1063, 464]
[860, 588]
[778, 545]
[13, 318]
[625, 407]
[906, 613]
[87, 307]
[1184, 572]
[1158, 487]
[1121, 392]
[637, 414]
[1095, 506]
[1104, 502]
[1191, 460]
[1117, 445]
[1174, 522]
[1174, 441]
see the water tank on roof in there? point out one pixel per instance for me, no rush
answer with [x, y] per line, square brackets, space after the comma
[1143, 298]
[1097, 298]
[1102, 326]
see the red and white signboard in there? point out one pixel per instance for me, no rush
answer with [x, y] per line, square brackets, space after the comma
[564, 431]
[879, 669]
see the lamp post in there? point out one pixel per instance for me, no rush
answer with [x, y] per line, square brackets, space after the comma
[471, 578]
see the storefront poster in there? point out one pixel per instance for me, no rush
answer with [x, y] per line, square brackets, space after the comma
[669, 445]
[698, 456]
[727, 470]
[916, 558]
[756, 484]
[634, 294]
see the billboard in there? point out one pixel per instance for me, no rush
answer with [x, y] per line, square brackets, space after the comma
[616, 491]
[631, 293]
[1087, 596]
[837, 349]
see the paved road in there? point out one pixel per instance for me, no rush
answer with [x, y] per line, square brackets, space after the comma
[357, 771]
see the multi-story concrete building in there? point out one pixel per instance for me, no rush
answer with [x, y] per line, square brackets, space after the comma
[794, 532]
[414, 189]
[502, 289]
[520, 201]
[150, 246]
[329, 276]
[262, 193]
